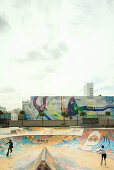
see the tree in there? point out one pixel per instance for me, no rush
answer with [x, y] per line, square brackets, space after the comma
[22, 113]
[64, 114]
[77, 115]
[42, 114]
[1, 112]
[4, 114]
[75, 111]
[108, 113]
[83, 114]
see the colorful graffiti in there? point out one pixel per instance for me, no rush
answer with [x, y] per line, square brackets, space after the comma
[27, 149]
[54, 105]
[85, 137]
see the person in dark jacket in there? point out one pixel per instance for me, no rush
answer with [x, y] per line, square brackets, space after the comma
[10, 147]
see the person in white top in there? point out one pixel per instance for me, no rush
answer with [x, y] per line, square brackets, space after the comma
[103, 155]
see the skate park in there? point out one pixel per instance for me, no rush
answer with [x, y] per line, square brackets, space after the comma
[45, 138]
[56, 148]
[57, 85]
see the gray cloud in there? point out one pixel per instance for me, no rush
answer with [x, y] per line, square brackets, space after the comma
[4, 25]
[35, 55]
[45, 53]
[46, 71]
[50, 69]
[7, 90]
[106, 88]
[19, 4]
[91, 10]
[57, 52]
[43, 74]
[37, 77]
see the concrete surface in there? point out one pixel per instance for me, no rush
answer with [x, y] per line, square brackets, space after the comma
[67, 148]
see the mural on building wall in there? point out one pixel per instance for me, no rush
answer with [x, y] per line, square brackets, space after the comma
[52, 106]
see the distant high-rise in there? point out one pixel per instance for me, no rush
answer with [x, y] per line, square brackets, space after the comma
[88, 89]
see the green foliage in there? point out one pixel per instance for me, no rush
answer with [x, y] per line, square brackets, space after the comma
[64, 114]
[1, 112]
[41, 113]
[22, 112]
[80, 109]
[83, 114]
[74, 108]
[64, 124]
[107, 113]
[21, 116]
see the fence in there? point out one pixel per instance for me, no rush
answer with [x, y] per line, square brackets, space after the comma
[56, 123]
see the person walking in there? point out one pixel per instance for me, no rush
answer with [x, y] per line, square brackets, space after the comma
[10, 147]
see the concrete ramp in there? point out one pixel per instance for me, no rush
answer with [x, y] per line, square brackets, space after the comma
[45, 161]
[57, 152]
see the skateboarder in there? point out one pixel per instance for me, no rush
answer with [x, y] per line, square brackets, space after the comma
[103, 155]
[10, 147]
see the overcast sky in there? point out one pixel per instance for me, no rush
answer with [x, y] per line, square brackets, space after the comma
[53, 47]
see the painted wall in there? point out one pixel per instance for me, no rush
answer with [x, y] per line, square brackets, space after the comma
[73, 105]
[85, 138]
[70, 147]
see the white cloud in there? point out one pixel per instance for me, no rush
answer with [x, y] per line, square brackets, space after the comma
[52, 47]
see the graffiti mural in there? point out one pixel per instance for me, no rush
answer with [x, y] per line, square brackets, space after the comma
[64, 149]
[87, 139]
[93, 139]
[52, 106]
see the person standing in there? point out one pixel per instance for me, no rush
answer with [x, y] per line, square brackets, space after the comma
[103, 154]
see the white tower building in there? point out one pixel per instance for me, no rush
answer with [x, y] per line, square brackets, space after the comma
[88, 89]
